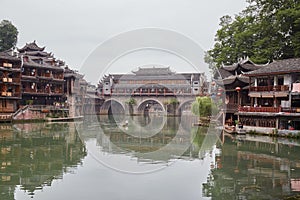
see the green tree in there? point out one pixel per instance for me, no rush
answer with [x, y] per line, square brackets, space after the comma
[204, 107]
[171, 105]
[265, 30]
[8, 35]
[131, 102]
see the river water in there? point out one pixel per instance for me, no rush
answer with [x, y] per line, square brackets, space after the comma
[152, 157]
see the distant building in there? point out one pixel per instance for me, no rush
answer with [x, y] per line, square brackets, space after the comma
[154, 81]
[92, 101]
[42, 76]
[74, 91]
[10, 82]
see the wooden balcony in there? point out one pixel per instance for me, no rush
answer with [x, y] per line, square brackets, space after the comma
[276, 88]
[43, 92]
[259, 109]
[231, 107]
[10, 94]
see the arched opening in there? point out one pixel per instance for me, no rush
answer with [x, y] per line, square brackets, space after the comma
[112, 107]
[151, 106]
[185, 107]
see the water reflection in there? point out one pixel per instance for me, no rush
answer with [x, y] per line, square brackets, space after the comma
[255, 167]
[33, 155]
[171, 138]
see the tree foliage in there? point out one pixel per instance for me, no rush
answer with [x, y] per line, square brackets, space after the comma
[265, 30]
[203, 106]
[8, 35]
[131, 101]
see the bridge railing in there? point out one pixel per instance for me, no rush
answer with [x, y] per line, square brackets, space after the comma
[155, 94]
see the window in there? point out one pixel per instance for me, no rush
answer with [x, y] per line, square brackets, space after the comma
[4, 103]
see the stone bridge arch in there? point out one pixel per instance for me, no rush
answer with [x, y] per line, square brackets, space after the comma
[150, 103]
[184, 104]
[112, 106]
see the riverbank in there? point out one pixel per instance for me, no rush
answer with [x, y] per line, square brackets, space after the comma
[254, 130]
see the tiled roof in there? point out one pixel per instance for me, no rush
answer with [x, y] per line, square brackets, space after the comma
[31, 47]
[223, 73]
[157, 71]
[232, 79]
[278, 67]
[31, 63]
[7, 55]
[152, 77]
[38, 53]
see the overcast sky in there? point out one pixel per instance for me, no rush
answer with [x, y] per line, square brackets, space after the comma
[72, 29]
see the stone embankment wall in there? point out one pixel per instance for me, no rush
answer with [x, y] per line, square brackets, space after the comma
[29, 114]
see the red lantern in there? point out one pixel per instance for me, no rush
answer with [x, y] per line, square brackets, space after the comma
[238, 89]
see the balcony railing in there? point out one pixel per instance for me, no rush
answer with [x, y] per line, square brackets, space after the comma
[41, 91]
[259, 109]
[277, 88]
[10, 94]
[152, 94]
[232, 107]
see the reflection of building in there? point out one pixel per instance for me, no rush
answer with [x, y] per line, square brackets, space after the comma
[33, 155]
[42, 76]
[255, 169]
[154, 81]
[10, 81]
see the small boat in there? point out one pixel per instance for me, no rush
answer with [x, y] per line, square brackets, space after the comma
[233, 130]
[241, 131]
[229, 129]
[125, 124]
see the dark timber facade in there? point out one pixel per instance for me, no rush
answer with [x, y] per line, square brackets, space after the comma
[10, 81]
[42, 76]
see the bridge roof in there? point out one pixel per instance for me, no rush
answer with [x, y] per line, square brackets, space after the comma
[154, 70]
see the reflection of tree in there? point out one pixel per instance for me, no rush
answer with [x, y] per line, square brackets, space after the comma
[34, 158]
[253, 170]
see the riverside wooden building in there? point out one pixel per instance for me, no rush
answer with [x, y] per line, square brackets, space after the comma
[275, 96]
[42, 76]
[10, 81]
[266, 96]
[32, 76]
[235, 85]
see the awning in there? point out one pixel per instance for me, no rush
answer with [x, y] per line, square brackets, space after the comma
[281, 94]
[267, 95]
[254, 94]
